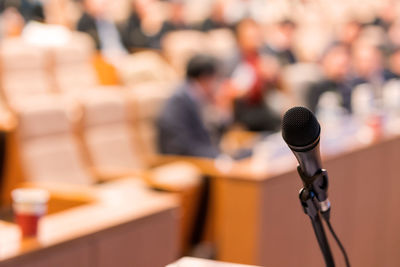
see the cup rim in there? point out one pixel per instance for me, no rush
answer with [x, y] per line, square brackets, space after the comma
[30, 195]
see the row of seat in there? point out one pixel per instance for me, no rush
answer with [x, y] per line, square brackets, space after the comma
[116, 137]
[94, 136]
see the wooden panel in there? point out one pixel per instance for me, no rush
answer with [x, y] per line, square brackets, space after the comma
[148, 242]
[78, 254]
[262, 222]
[236, 220]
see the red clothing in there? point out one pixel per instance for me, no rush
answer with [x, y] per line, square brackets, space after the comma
[255, 94]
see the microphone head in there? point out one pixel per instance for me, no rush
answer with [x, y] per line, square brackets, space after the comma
[300, 129]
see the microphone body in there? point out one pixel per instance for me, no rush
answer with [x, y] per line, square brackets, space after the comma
[309, 159]
[301, 131]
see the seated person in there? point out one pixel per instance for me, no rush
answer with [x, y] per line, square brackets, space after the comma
[95, 21]
[368, 65]
[190, 123]
[254, 77]
[335, 66]
[282, 41]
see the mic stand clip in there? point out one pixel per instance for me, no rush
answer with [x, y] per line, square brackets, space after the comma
[313, 199]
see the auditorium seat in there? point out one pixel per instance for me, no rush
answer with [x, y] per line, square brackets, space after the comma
[48, 148]
[115, 151]
[179, 46]
[106, 132]
[72, 63]
[17, 85]
[146, 102]
[143, 67]
[24, 69]
[222, 44]
[18, 55]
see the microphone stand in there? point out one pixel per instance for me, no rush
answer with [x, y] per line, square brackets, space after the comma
[312, 207]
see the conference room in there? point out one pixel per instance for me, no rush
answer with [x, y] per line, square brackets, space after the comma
[174, 133]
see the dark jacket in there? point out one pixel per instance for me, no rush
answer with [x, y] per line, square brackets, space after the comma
[87, 24]
[317, 89]
[181, 130]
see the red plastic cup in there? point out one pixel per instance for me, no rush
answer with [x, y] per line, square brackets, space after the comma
[29, 206]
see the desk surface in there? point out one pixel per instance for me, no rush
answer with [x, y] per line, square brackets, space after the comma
[364, 191]
[264, 167]
[114, 203]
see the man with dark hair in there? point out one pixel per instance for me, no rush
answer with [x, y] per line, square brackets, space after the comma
[335, 65]
[282, 41]
[189, 123]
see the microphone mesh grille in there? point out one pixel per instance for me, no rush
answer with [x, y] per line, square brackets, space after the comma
[300, 127]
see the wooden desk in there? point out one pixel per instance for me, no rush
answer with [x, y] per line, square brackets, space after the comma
[127, 225]
[193, 262]
[258, 218]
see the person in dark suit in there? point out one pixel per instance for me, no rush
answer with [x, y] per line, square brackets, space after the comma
[105, 33]
[335, 65]
[369, 67]
[186, 125]
[216, 19]
[282, 47]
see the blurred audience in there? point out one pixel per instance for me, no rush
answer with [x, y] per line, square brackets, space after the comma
[351, 46]
[368, 65]
[27, 8]
[96, 22]
[216, 19]
[189, 123]
[281, 42]
[349, 32]
[336, 66]
[11, 23]
[255, 74]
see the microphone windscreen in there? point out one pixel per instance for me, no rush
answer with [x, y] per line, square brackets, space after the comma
[300, 127]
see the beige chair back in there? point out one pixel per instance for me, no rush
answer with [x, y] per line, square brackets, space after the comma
[49, 150]
[107, 133]
[73, 63]
[24, 69]
[146, 102]
[179, 46]
[222, 43]
[143, 67]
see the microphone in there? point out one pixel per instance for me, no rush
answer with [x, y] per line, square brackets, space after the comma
[301, 132]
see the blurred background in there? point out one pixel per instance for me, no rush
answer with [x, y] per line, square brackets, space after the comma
[154, 125]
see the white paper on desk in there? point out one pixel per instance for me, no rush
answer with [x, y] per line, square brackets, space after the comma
[193, 262]
[10, 240]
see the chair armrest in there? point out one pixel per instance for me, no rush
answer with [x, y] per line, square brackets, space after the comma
[205, 165]
[104, 175]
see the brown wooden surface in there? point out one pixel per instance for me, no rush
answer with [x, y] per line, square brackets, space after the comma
[261, 222]
[125, 225]
[257, 218]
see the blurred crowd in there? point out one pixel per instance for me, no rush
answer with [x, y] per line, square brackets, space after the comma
[338, 55]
